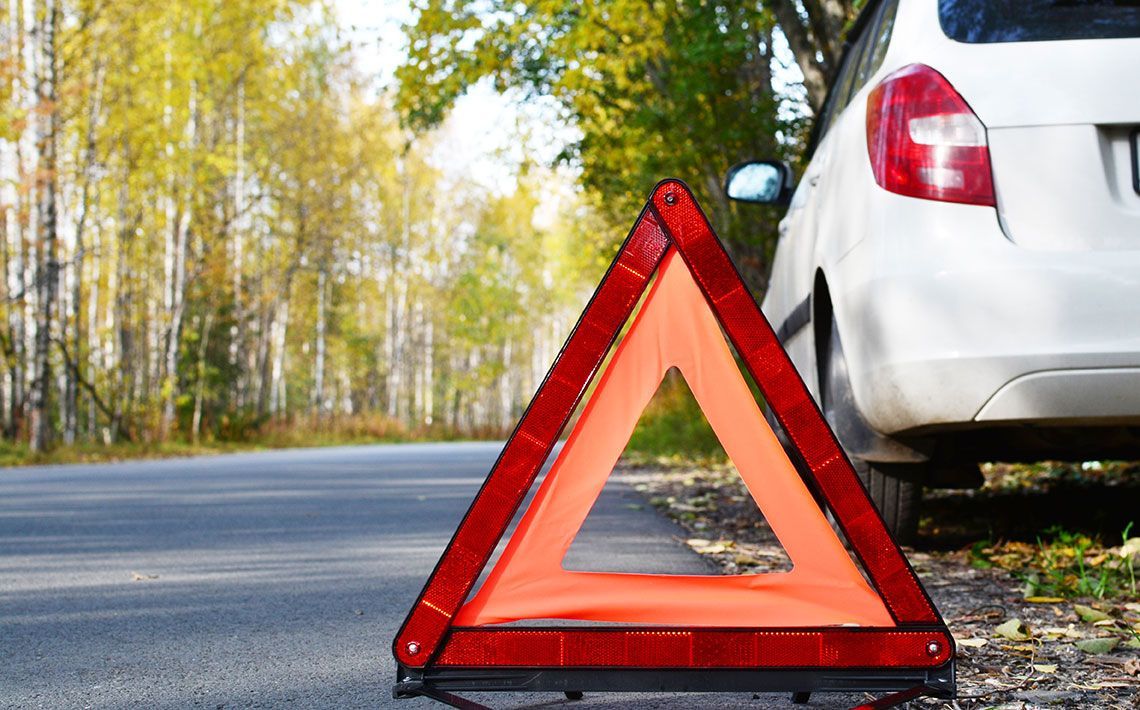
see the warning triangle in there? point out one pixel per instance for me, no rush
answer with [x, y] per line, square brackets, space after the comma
[823, 614]
[674, 328]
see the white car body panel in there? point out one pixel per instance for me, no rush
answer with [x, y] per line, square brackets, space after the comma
[952, 313]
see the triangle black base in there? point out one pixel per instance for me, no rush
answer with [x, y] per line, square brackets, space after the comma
[441, 683]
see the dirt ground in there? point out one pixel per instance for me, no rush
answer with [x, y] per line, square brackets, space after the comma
[980, 555]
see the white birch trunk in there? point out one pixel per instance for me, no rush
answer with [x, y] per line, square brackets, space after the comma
[319, 402]
[241, 226]
[47, 274]
[200, 383]
[93, 340]
[181, 246]
[506, 391]
[277, 390]
[429, 372]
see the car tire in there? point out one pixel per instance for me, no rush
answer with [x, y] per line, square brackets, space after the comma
[895, 489]
[896, 494]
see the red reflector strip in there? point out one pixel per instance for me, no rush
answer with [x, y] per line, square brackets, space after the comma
[530, 444]
[695, 648]
[786, 394]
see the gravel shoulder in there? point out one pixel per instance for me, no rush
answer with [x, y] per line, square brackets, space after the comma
[1014, 650]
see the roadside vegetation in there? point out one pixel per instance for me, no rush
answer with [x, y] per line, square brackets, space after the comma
[279, 434]
[674, 428]
[215, 233]
[217, 221]
[1093, 560]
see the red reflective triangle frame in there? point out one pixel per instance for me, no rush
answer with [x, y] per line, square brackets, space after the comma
[672, 218]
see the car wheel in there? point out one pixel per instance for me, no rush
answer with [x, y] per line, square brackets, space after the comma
[897, 496]
[895, 489]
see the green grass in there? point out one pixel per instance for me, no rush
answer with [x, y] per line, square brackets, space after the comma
[294, 433]
[673, 426]
[1067, 565]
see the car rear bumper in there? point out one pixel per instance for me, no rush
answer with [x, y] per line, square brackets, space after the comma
[1066, 396]
[946, 322]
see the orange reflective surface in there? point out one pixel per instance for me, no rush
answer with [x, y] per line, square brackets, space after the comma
[674, 328]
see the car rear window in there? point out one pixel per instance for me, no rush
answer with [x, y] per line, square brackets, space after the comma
[984, 21]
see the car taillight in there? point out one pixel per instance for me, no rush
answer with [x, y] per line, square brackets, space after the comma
[924, 141]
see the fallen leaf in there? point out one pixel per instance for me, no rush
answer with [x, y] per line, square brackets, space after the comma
[971, 643]
[1099, 686]
[1055, 631]
[1104, 622]
[1044, 600]
[697, 542]
[1045, 667]
[1099, 645]
[1130, 548]
[1132, 666]
[1013, 630]
[1087, 613]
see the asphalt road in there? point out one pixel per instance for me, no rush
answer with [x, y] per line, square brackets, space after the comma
[249, 580]
[259, 580]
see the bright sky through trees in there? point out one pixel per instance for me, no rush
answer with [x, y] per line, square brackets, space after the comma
[483, 131]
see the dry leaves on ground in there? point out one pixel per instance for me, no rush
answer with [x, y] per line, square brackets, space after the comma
[1013, 651]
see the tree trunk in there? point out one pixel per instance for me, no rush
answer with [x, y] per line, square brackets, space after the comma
[238, 358]
[277, 403]
[94, 345]
[816, 43]
[319, 405]
[506, 389]
[22, 267]
[200, 383]
[70, 410]
[177, 287]
[12, 225]
[47, 267]
[429, 372]
[120, 309]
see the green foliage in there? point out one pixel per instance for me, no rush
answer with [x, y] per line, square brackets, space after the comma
[1065, 564]
[681, 90]
[237, 434]
[248, 239]
[674, 426]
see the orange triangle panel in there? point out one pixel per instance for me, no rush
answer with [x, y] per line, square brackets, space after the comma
[822, 613]
[674, 328]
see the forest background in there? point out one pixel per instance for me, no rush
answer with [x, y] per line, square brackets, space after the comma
[222, 225]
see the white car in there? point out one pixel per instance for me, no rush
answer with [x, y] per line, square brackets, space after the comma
[958, 274]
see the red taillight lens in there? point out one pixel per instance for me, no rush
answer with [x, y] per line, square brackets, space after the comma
[924, 141]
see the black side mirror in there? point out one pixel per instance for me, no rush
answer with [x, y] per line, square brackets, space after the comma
[762, 182]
